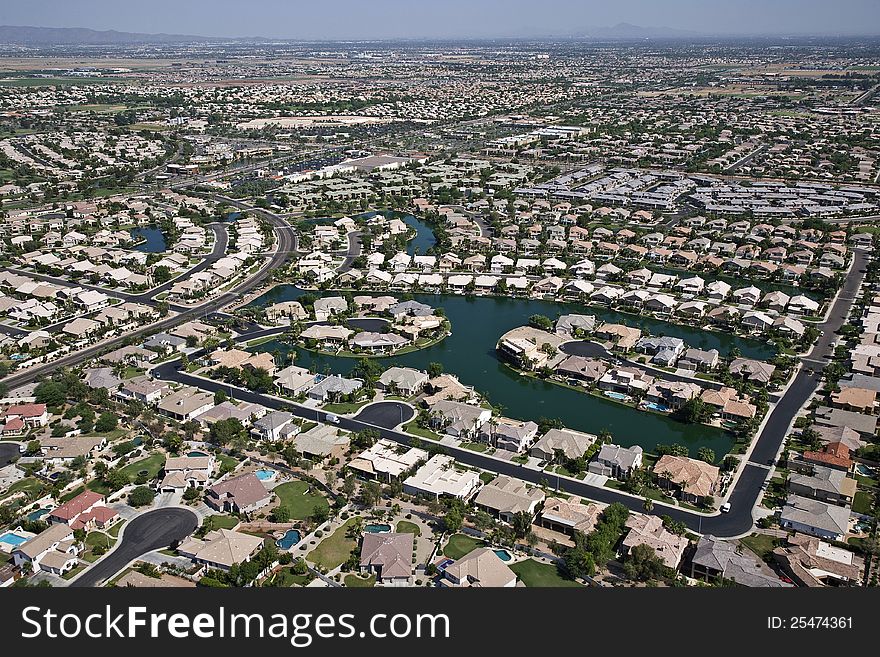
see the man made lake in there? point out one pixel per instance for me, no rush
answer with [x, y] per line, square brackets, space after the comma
[469, 352]
[424, 239]
[155, 240]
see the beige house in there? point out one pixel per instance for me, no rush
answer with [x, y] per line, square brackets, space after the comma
[693, 480]
[480, 568]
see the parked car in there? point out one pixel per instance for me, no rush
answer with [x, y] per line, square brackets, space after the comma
[725, 507]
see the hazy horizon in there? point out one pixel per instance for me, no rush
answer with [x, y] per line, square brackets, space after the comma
[397, 19]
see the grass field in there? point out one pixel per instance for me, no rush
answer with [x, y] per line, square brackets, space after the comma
[460, 545]
[294, 496]
[421, 432]
[334, 550]
[152, 464]
[29, 485]
[227, 462]
[343, 408]
[357, 582]
[761, 544]
[862, 502]
[540, 575]
[405, 527]
[220, 522]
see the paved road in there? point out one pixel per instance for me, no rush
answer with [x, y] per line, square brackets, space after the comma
[149, 531]
[386, 414]
[354, 250]
[286, 246]
[746, 490]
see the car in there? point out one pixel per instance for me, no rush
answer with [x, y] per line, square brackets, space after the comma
[725, 508]
[331, 418]
[771, 461]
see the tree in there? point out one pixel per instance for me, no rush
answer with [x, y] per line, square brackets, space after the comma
[33, 448]
[320, 514]
[191, 494]
[224, 432]
[348, 485]
[371, 493]
[693, 411]
[141, 496]
[106, 422]
[642, 564]
[434, 370]
[706, 454]
[541, 322]
[219, 397]
[453, 520]
[280, 514]
[522, 523]
[50, 393]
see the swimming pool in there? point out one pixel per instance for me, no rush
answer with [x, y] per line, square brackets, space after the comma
[660, 408]
[377, 528]
[196, 453]
[864, 470]
[504, 555]
[290, 538]
[13, 539]
[619, 396]
[36, 515]
[265, 475]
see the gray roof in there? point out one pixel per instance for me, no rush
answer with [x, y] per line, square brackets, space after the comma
[736, 564]
[411, 308]
[813, 513]
[622, 457]
[336, 384]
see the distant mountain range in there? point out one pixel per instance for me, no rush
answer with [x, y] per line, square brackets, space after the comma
[80, 36]
[52, 36]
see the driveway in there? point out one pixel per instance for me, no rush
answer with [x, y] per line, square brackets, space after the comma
[149, 531]
[386, 414]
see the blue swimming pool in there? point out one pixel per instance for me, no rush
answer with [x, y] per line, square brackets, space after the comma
[13, 539]
[196, 453]
[864, 470]
[660, 408]
[616, 395]
[377, 528]
[504, 555]
[290, 538]
[265, 475]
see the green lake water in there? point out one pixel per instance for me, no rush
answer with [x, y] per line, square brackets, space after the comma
[469, 352]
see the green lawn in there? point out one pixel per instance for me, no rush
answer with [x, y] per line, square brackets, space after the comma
[29, 485]
[152, 464]
[862, 502]
[114, 530]
[406, 527]
[761, 544]
[344, 408]
[460, 545]
[69, 496]
[334, 550]
[486, 477]
[220, 522]
[70, 574]
[294, 496]
[475, 447]
[535, 574]
[357, 582]
[421, 432]
[286, 578]
[227, 462]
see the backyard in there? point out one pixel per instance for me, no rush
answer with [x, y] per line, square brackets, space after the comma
[297, 498]
[460, 545]
[334, 550]
[535, 575]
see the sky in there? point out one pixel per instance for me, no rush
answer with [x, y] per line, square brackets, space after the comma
[383, 19]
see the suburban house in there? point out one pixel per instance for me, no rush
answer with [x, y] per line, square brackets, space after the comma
[333, 388]
[809, 516]
[504, 497]
[692, 480]
[458, 419]
[186, 403]
[573, 444]
[809, 561]
[404, 381]
[616, 461]
[568, 515]
[649, 530]
[386, 460]
[824, 484]
[716, 560]
[53, 550]
[320, 442]
[508, 434]
[242, 494]
[388, 556]
[480, 568]
[442, 477]
[221, 548]
[181, 472]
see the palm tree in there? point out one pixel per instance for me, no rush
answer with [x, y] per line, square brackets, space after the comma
[649, 505]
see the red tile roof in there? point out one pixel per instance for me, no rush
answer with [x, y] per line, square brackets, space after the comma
[77, 505]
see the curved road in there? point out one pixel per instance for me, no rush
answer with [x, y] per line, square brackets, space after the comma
[149, 531]
[747, 487]
[286, 246]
